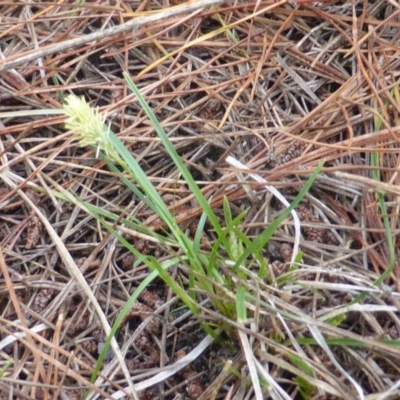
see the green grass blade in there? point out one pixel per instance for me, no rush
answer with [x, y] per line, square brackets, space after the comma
[199, 232]
[128, 305]
[263, 238]
[241, 309]
[175, 157]
[7, 365]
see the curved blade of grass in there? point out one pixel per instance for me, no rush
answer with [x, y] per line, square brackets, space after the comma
[199, 232]
[175, 157]
[146, 200]
[125, 309]
[258, 256]
[152, 263]
[131, 166]
[263, 238]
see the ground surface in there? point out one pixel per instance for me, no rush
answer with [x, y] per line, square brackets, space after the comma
[277, 86]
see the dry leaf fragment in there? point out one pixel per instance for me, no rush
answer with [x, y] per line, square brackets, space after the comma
[33, 232]
[42, 299]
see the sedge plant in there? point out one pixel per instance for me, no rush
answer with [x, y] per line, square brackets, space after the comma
[232, 250]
